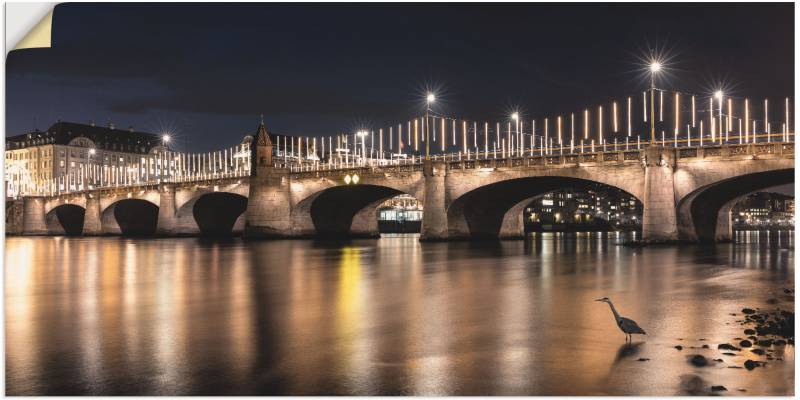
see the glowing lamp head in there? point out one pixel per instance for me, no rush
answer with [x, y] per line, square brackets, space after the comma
[430, 98]
[347, 179]
[515, 116]
[91, 151]
[355, 179]
[361, 133]
[655, 66]
[165, 137]
[718, 94]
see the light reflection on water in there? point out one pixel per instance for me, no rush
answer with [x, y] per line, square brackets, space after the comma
[388, 316]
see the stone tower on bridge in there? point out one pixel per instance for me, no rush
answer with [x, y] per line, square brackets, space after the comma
[269, 200]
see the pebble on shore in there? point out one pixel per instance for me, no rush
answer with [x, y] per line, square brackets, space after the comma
[698, 361]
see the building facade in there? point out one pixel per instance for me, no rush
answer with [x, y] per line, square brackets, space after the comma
[70, 156]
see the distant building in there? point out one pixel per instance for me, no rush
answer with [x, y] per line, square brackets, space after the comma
[596, 208]
[764, 211]
[67, 152]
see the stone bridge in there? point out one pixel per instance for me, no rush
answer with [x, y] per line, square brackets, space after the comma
[686, 193]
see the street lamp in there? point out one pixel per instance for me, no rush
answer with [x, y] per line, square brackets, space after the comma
[655, 67]
[429, 99]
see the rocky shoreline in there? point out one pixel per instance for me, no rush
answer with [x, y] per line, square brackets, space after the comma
[764, 338]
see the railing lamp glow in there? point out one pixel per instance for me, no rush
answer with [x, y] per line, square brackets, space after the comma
[165, 138]
[515, 116]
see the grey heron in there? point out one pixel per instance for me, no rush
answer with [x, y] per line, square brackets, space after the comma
[626, 325]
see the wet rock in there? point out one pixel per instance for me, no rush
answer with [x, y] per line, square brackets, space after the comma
[787, 291]
[694, 385]
[718, 360]
[742, 390]
[753, 338]
[779, 342]
[728, 354]
[758, 351]
[705, 346]
[644, 359]
[698, 361]
[727, 346]
[749, 331]
[718, 388]
[772, 301]
[764, 343]
[679, 347]
[748, 311]
[750, 365]
[745, 343]
[735, 367]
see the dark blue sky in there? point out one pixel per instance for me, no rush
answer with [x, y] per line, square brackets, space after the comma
[207, 71]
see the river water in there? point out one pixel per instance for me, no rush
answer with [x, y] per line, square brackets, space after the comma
[390, 316]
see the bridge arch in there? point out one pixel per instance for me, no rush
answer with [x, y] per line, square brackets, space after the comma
[65, 219]
[495, 210]
[216, 213]
[211, 209]
[130, 217]
[700, 211]
[343, 210]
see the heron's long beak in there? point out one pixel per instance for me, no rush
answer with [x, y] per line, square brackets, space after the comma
[598, 300]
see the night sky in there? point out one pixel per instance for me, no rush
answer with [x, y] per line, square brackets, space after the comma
[206, 72]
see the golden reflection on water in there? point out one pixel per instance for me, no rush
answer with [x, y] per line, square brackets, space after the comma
[392, 316]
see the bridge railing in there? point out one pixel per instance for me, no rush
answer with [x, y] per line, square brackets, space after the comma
[173, 167]
[564, 149]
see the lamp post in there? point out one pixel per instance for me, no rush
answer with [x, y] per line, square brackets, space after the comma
[719, 95]
[655, 67]
[429, 99]
[515, 117]
[363, 135]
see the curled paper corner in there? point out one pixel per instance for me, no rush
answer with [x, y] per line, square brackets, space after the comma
[39, 36]
[20, 16]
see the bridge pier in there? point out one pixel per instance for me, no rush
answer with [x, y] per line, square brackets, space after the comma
[513, 226]
[724, 230]
[365, 222]
[166, 210]
[659, 219]
[33, 217]
[269, 210]
[14, 217]
[91, 219]
[434, 216]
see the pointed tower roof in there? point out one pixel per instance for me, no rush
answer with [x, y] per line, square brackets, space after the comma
[262, 137]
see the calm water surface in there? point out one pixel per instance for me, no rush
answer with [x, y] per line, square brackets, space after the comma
[389, 316]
